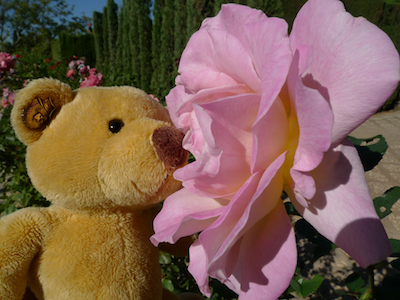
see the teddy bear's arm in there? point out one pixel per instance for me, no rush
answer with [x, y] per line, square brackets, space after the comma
[20, 241]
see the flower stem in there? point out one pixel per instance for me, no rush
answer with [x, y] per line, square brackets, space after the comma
[371, 283]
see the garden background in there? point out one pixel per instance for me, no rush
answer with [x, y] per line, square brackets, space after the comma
[140, 44]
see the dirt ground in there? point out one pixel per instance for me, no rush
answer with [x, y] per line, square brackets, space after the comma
[336, 267]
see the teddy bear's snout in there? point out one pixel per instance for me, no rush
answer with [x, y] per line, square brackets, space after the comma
[167, 142]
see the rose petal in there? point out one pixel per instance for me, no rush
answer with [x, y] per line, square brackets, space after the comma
[224, 163]
[266, 258]
[250, 205]
[342, 209]
[355, 64]
[206, 62]
[315, 121]
[271, 57]
[184, 214]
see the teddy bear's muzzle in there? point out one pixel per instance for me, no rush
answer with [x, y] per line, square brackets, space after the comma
[167, 142]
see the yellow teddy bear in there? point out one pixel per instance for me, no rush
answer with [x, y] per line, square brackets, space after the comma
[104, 157]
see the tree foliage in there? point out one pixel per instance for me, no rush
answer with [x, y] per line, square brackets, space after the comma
[31, 25]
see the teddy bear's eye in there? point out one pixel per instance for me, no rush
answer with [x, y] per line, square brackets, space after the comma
[115, 126]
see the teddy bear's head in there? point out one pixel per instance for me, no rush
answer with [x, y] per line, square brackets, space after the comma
[97, 147]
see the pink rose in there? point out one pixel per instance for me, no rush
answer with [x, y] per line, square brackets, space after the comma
[92, 80]
[6, 62]
[71, 73]
[5, 103]
[72, 64]
[264, 112]
[6, 92]
[11, 97]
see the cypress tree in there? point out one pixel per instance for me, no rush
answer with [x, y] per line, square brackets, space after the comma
[106, 52]
[134, 41]
[271, 8]
[193, 16]
[167, 61]
[144, 33]
[197, 11]
[118, 65]
[98, 38]
[156, 47]
[112, 23]
[180, 38]
[126, 53]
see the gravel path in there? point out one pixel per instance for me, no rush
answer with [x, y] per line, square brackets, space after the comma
[387, 173]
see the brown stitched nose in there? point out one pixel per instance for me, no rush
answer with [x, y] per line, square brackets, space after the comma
[167, 142]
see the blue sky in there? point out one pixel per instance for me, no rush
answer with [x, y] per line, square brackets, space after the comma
[88, 6]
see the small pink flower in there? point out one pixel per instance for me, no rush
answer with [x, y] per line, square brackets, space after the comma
[93, 71]
[71, 73]
[92, 80]
[154, 97]
[263, 112]
[5, 103]
[26, 82]
[6, 92]
[82, 69]
[72, 64]
[11, 97]
[6, 62]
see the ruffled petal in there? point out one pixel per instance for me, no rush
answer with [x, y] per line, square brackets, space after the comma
[271, 54]
[355, 65]
[207, 60]
[251, 203]
[184, 214]
[223, 165]
[267, 258]
[315, 121]
[342, 209]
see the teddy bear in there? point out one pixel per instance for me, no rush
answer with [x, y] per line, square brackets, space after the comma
[104, 157]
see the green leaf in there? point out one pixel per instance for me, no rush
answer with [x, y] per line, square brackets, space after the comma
[395, 247]
[354, 282]
[295, 285]
[167, 284]
[371, 150]
[290, 209]
[310, 286]
[396, 264]
[384, 203]
[164, 258]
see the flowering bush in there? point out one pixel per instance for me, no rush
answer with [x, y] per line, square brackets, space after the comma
[265, 112]
[16, 190]
[88, 76]
[7, 62]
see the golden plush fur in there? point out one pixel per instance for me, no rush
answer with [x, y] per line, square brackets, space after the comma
[93, 153]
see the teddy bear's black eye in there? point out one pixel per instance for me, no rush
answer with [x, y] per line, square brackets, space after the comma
[115, 126]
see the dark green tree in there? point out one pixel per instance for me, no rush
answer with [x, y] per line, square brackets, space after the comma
[32, 25]
[112, 23]
[98, 38]
[126, 48]
[144, 34]
[156, 47]
[197, 11]
[167, 60]
[272, 8]
[180, 37]
[106, 50]
[132, 9]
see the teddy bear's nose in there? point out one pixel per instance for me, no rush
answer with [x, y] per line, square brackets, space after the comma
[167, 142]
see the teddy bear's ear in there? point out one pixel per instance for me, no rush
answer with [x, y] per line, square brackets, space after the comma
[36, 105]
